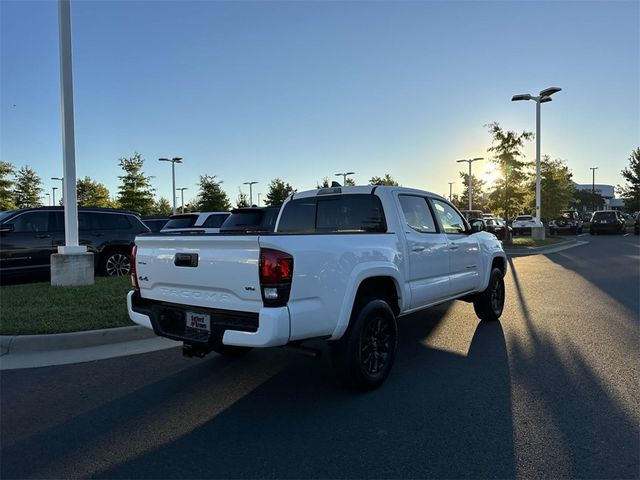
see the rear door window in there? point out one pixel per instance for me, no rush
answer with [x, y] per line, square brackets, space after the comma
[417, 213]
[111, 221]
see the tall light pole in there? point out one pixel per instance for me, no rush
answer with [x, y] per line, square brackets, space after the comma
[470, 186]
[48, 198]
[173, 161]
[543, 97]
[182, 196]
[593, 186]
[251, 184]
[53, 189]
[344, 176]
[259, 194]
[450, 191]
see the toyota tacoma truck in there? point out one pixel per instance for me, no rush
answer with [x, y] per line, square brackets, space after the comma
[342, 265]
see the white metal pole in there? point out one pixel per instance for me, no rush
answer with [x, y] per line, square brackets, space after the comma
[182, 200]
[173, 184]
[68, 137]
[470, 187]
[538, 212]
[250, 194]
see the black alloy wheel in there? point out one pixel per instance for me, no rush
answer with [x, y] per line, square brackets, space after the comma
[375, 345]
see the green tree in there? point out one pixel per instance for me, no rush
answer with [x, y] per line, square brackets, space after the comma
[510, 192]
[6, 186]
[162, 207]
[350, 182]
[92, 194]
[135, 193]
[557, 190]
[211, 197]
[386, 180]
[631, 190]
[480, 199]
[27, 188]
[325, 183]
[278, 192]
[243, 200]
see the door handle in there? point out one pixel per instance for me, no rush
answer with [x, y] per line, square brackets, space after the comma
[454, 247]
[419, 248]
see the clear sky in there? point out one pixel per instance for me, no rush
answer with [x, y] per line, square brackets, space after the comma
[302, 90]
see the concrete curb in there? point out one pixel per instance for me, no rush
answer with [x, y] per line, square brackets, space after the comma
[556, 247]
[22, 344]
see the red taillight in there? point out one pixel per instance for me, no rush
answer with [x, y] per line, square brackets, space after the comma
[276, 272]
[132, 268]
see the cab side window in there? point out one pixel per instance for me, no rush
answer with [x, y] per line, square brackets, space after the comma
[417, 213]
[450, 219]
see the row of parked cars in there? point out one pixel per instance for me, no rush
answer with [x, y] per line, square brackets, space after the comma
[568, 222]
[29, 236]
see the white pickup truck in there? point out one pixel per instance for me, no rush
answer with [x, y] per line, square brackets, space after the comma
[343, 264]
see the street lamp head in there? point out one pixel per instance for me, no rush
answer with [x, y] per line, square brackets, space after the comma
[164, 160]
[545, 99]
[350, 173]
[177, 159]
[522, 96]
[57, 178]
[547, 92]
[477, 158]
[460, 161]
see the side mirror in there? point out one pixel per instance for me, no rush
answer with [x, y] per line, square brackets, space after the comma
[477, 225]
[7, 227]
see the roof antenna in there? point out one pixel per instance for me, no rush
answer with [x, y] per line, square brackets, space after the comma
[335, 184]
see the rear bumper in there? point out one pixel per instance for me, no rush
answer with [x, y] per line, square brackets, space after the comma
[269, 328]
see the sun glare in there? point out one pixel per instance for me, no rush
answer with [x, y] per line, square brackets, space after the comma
[490, 174]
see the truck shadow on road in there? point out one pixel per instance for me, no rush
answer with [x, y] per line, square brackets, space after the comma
[440, 414]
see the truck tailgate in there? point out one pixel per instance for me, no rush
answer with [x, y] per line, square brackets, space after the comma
[209, 271]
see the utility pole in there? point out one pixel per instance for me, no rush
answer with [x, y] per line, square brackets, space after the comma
[182, 196]
[593, 186]
[173, 161]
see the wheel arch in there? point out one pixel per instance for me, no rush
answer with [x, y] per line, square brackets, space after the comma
[383, 282]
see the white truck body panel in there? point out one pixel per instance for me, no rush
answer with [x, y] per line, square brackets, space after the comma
[328, 269]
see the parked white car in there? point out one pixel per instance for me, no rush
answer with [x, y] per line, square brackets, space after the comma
[197, 222]
[343, 264]
[523, 224]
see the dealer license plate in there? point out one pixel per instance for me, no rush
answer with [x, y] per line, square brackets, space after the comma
[199, 321]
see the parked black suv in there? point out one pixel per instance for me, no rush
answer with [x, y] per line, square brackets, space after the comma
[29, 236]
[607, 221]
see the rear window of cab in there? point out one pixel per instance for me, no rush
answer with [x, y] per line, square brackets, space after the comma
[356, 213]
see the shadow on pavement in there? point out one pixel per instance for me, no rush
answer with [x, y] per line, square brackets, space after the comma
[596, 437]
[608, 269]
[440, 414]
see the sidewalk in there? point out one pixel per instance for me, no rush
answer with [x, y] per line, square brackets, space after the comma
[30, 351]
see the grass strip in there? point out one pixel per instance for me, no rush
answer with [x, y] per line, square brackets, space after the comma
[526, 242]
[39, 308]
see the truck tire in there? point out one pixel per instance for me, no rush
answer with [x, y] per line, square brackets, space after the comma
[363, 357]
[489, 303]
